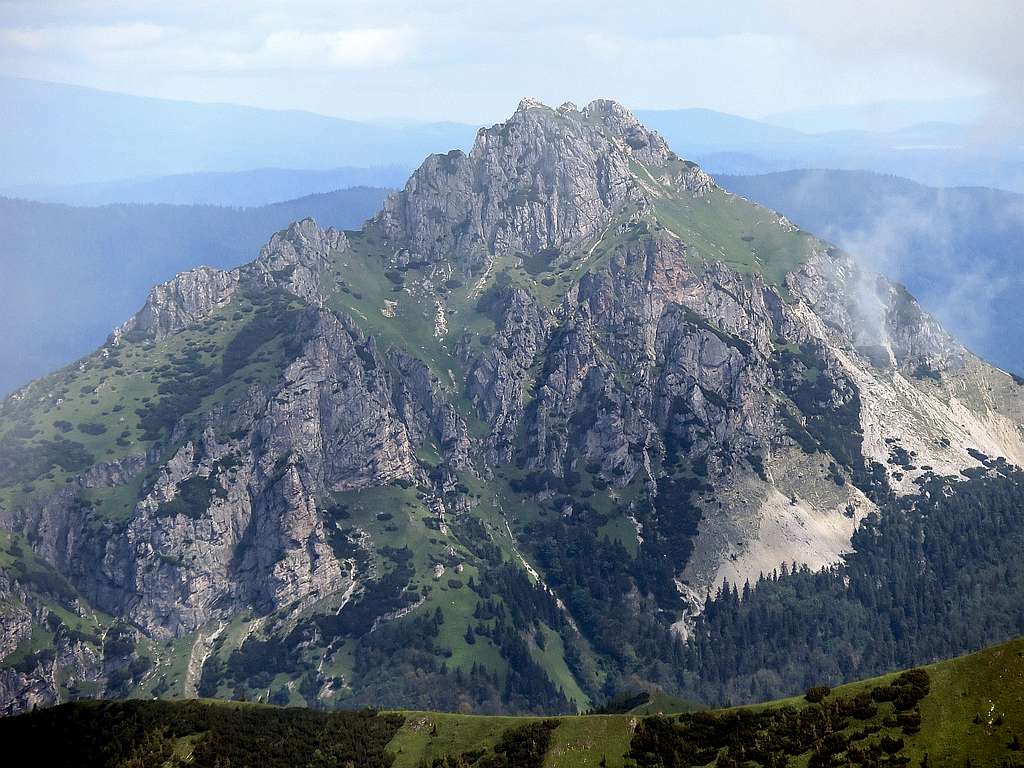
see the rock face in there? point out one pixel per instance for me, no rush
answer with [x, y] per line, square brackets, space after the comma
[189, 298]
[498, 378]
[293, 259]
[343, 417]
[569, 322]
[36, 681]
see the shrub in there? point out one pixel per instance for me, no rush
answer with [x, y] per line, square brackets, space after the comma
[817, 694]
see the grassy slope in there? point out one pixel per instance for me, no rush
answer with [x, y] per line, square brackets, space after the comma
[989, 684]
[726, 228]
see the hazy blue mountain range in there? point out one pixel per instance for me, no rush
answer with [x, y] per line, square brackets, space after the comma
[881, 115]
[71, 274]
[131, 136]
[934, 153]
[960, 251]
[260, 186]
[132, 139]
[706, 129]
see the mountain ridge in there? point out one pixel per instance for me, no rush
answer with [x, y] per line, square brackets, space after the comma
[196, 138]
[241, 189]
[121, 131]
[74, 273]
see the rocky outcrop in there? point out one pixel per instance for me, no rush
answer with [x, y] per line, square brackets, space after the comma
[499, 375]
[644, 351]
[544, 179]
[878, 317]
[38, 678]
[232, 518]
[189, 298]
[295, 257]
[711, 391]
[335, 410]
[292, 261]
[424, 408]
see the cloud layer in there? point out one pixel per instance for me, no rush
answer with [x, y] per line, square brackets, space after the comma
[980, 38]
[473, 60]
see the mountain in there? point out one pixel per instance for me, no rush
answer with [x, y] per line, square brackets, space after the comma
[952, 713]
[960, 251]
[133, 136]
[241, 189]
[71, 274]
[514, 447]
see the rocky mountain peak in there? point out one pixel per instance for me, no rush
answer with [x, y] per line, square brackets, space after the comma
[544, 179]
[294, 257]
[185, 300]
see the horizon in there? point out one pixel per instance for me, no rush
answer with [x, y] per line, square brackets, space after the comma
[464, 62]
[776, 120]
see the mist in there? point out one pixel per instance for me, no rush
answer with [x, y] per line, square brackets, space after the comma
[960, 251]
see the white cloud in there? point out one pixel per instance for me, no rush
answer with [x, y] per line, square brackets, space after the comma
[473, 59]
[979, 37]
[148, 47]
[343, 49]
[84, 38]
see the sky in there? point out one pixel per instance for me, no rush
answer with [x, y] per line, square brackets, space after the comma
[471, 61]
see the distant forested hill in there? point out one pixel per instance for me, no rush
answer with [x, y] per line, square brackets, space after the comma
[250, 188]
[960, 251]
[70, 275]
[121, 136]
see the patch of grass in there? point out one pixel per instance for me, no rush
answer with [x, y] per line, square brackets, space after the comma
[746, 237]
[428, 735]
[552, 660]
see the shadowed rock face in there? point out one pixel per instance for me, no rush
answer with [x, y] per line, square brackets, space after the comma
[649, 356]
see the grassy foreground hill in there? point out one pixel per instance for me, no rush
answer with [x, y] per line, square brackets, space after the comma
[966, 711]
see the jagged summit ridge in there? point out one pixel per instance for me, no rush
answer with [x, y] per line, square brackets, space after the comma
[543, 179]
